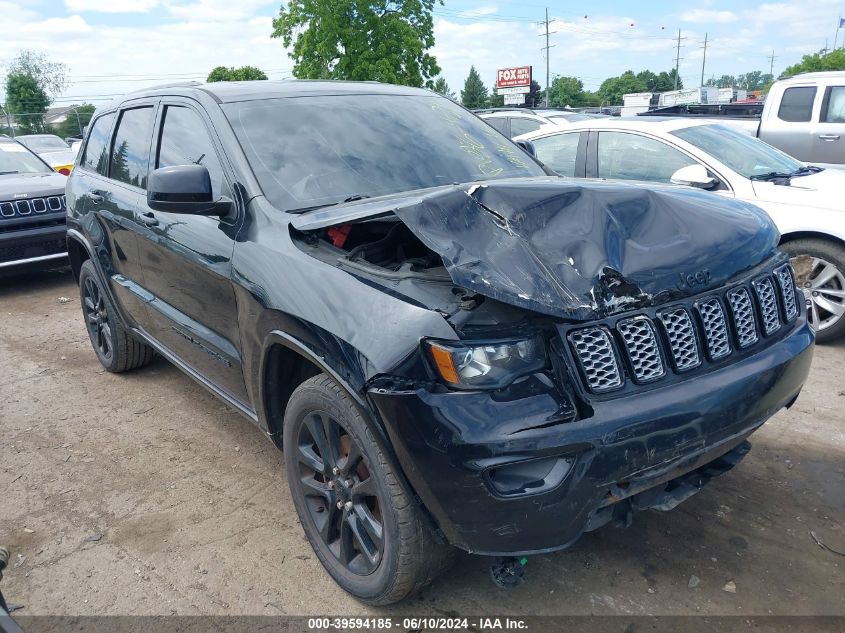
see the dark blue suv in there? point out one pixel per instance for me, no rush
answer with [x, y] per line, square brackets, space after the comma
[453, 348]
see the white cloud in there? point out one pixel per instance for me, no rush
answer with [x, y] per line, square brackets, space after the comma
[217, 10]
[72, 25]
[705, 16]
[111, 6]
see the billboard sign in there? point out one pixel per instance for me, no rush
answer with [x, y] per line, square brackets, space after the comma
[515, 99]
[518, 77]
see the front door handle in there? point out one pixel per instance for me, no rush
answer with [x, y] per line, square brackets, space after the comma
[96, 196]
[829, 137]
[148, 218]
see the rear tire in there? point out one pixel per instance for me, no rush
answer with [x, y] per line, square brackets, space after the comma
[357, 477]
[820, 273]
[116, 349]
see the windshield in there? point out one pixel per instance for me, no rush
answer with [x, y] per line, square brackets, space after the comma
[313, 151]
[746, 155]
[45, 143]
[15, 158]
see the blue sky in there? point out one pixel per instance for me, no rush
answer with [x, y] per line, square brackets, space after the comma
[113, 46]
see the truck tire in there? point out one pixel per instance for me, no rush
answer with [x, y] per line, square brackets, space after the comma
[357, 515]
[116, 349]
[820, 274]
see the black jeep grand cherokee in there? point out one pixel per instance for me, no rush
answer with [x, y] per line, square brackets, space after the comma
[32, 211]
[452, 348]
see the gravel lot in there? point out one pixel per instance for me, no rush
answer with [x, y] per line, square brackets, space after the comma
[143, 494]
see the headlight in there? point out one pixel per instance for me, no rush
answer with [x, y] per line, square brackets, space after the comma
[487, 365]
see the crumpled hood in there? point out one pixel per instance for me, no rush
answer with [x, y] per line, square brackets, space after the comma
[579, 249]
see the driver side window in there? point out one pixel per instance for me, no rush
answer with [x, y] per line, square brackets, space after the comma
[624, 156]
[185, 141]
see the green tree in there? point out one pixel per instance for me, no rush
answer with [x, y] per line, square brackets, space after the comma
[27, 102]
[31, 82]
[230, 73]
[441, 87]
[535, 95]
[566, 91]
[666, 81]
[834, 60]
[725, 81]
[612, 88]
[380, 40]
[474, 94]
[753, 80]
[77, 117]
[51, 77]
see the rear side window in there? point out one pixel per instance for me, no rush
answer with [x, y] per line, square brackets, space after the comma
[523, 126]
[559, 152]
[498, 122]
[796, 105]
[96, 155]
[130, 154]
[834, 110]
[185, 141]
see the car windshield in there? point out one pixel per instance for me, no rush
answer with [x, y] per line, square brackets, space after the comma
[16, 159]
[315, 151]
[45, 143]
[746, 155]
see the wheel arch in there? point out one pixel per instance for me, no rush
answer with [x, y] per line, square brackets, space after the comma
[77, 253]
[287, 362]
[815, 235]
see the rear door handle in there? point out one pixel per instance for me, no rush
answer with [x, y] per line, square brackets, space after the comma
[148, 218]
[829, 137]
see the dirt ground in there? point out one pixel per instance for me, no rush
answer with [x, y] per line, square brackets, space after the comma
[143, 494]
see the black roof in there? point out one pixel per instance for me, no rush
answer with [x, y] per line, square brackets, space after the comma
[230, 91]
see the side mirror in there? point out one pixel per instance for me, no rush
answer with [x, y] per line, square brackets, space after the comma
[694, 176]
[528, 147]
[184, 189]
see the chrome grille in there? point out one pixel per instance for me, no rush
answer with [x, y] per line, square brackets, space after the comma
[787, 291]
[715, 329]
[46, 204]
[765, 290]
[682, 340]
[594, 350]
[742, 312]
[641, 346]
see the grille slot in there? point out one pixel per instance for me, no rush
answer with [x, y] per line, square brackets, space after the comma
[641, 346]
[787, 291]
[742, 311]
[681, 334]
[594, 350]
[53, 204]
[715, 329]
[765, 290]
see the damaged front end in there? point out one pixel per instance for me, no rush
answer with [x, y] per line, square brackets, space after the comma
[612, 343]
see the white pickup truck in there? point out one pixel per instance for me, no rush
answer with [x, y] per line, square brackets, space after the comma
[804, 116]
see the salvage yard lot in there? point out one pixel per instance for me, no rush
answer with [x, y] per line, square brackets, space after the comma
[143, 494]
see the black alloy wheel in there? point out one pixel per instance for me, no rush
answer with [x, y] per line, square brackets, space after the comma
[97, 318]
[340, 493]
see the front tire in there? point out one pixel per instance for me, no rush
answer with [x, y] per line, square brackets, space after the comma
[356, 514]
[820, 274]
[116, 349]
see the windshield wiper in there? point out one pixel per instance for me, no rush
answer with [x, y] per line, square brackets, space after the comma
[780, 175]
[352, 198]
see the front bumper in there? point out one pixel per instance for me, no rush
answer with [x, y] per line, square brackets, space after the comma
[36, 245]
[644, 449]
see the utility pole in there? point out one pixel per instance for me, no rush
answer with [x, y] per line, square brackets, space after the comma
[703, 60]
[546, 48]
[772, 59]
[678, 58]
